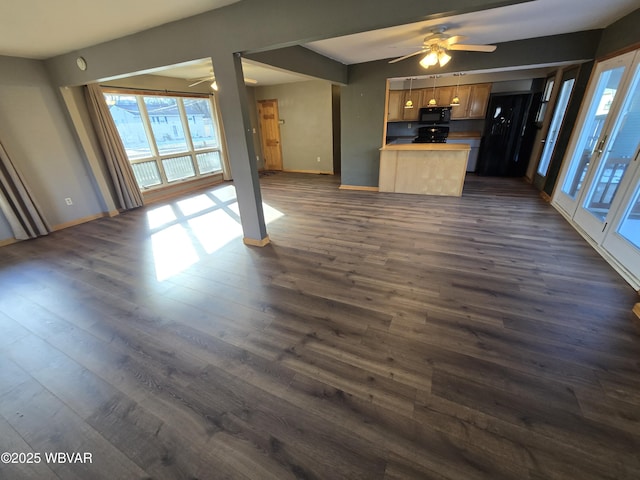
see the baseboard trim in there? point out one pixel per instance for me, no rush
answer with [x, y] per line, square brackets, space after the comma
[314, 172]
[80, 221]
[358, 187]
[8, 241]
[256, 243]
[545, 196]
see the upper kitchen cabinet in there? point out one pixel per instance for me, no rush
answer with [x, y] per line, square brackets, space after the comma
[474, 100]
[397, 102]
[479, 100]
[417, 99]
[395, 106]
[444, 95]
[461, 111]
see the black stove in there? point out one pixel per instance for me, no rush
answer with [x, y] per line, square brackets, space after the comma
[432, 134]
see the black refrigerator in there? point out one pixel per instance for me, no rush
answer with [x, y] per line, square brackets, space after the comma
[509, 134]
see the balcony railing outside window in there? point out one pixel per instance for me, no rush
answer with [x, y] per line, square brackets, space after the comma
[167, 138]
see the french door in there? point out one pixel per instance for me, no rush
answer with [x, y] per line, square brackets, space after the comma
[599, 185]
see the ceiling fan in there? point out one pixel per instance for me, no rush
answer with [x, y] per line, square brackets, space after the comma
[214, 84]
[437, 43]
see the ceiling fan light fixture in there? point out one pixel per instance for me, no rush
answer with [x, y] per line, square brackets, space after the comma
[429, 59]
[443, 58]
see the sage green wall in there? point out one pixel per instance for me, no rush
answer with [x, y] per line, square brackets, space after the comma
[620, 35]
[5, 230]
[36, 134]
[306, 132]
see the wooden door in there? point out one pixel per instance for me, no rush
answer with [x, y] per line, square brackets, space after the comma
[270, 134]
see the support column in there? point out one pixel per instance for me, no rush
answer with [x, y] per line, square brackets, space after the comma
[234, 109]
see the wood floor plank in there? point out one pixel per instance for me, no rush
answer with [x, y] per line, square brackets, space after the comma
[29, 406]
[12, 442]
[378, 337]
[592, 438]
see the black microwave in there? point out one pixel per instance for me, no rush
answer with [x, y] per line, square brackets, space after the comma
[435, 115]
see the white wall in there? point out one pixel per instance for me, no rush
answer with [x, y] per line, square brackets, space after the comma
[35, 133]
[306, 134]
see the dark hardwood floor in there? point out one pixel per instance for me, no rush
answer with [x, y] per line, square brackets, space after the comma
[379, 336]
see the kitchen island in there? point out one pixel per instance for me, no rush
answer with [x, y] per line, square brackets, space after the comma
[423, 168]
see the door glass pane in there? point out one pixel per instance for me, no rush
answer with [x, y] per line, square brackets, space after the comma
[166, 124]
[630, 226]
[544, 102]
[126, 115]
[601, 101]
[621, 150]
[203, 131]
[554, 128]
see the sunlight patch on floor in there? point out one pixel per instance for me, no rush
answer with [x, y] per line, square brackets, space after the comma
[185, 231]
[173, 251]
[161, 216]
[215, 229]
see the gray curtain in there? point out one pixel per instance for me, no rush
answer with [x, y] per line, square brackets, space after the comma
[124, 181]
[17, 204]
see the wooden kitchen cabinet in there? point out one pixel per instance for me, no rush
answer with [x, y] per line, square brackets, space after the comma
[444, 95]
[417, 97]
[395, 106]
[461, 111]
[474, 100]
[479, 100]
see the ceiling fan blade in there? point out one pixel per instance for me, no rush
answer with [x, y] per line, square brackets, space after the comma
[200, 81]
[407, 56]
[455, 39]
[473, 48]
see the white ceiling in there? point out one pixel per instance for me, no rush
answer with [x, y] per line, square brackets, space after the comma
[44, 28]
[539, 18]
[254, 72]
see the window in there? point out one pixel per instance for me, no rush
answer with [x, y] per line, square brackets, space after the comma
[167, 138]
[544, 101]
